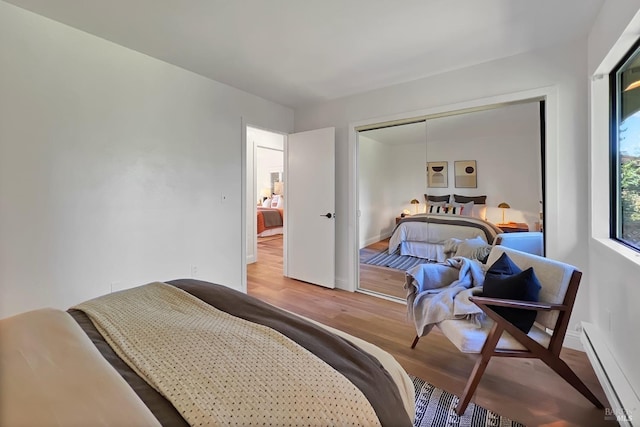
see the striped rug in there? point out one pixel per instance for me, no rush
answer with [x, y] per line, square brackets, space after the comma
[395, 260]
[437, 408]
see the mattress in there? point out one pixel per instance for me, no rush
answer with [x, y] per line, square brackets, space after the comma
[376, 374]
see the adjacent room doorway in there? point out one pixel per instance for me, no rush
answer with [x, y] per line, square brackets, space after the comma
[302, 189]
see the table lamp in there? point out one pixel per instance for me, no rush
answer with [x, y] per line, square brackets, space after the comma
[415, 203]
[504, 206]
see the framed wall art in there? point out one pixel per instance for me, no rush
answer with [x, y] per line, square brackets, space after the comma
[437, 173]
[466, 174]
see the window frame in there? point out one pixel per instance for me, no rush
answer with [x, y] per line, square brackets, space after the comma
[615, 205]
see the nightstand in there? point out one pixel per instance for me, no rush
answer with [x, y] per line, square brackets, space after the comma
[513, 227]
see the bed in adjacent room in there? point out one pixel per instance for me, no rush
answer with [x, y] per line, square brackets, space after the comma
[188, 352]
[270, 217]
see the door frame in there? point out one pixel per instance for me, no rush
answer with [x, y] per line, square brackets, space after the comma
[551, 203]
[253, 190]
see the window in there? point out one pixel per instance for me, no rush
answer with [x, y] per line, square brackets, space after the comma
[625, 149]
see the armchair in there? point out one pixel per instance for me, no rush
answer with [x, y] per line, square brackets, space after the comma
[496, 336]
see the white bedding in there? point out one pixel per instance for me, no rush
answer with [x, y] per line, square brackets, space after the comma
[51, 369]
[426, 239]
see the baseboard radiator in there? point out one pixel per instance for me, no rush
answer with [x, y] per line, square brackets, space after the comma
[624, 405]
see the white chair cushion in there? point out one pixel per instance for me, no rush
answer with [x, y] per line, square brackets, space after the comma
[469, 339]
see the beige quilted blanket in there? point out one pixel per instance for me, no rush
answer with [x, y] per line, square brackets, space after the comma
[217, 369]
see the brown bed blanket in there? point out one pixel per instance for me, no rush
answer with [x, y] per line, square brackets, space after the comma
[362, 369]
[490, 230]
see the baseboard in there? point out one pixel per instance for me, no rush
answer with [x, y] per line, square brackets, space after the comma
[251, 259]
[376, 239]
[343, 284]
[572, 340]
[624, 404]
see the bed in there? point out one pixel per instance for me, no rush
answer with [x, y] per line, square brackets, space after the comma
[270, 221]
[192, 353]
[425, 235]
[271, 216]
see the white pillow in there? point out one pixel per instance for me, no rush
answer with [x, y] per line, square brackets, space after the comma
[461, 209]
[280, 204]
[266, 203]
[274, 201]
[470, 248]
[479, 211]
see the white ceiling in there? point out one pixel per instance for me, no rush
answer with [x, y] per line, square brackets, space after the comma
[299, 52]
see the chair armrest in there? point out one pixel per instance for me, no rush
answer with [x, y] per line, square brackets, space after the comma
[527, 305]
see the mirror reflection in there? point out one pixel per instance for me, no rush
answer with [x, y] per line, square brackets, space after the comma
[447, 186]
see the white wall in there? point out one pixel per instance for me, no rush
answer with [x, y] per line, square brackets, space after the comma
[614, 269]
[505, 143]
[113, 166]
[268, 160]
[390, 176]
[373, 197]
[562, 67]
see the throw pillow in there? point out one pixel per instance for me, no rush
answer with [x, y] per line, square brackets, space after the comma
[266, 203]
[478, 200]
[479, 211]
[461, 209]
[428, 198]
[437, 207]
[467, 247]
[503, 267]
[523, 286]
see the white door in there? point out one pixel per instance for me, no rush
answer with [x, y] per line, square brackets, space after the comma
[310, 207]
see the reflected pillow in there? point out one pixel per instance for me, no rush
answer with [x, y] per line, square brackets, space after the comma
[266, 203]
[468, 247]
[479, 211]
[437, 207]
[429, 198]
[478, 200]
[461, 209]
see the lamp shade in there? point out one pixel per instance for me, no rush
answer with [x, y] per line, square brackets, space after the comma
[265, 192]
[415, 201]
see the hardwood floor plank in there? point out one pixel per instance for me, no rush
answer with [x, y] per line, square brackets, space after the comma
[522, 389]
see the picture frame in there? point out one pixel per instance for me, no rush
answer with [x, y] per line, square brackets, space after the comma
[437, 174]
[466, 174]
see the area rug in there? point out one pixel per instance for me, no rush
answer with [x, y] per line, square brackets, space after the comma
[395, 260]
[437, 408]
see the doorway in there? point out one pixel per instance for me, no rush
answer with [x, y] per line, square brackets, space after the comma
[265, 196]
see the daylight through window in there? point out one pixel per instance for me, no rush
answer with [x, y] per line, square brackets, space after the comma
[625, 143]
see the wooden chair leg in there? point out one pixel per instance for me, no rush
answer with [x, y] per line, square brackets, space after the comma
[415, 341]
[481, 365]
[569, 376]
[472, 383]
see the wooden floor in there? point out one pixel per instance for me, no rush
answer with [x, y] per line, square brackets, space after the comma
[382, 280]
[524, 390]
